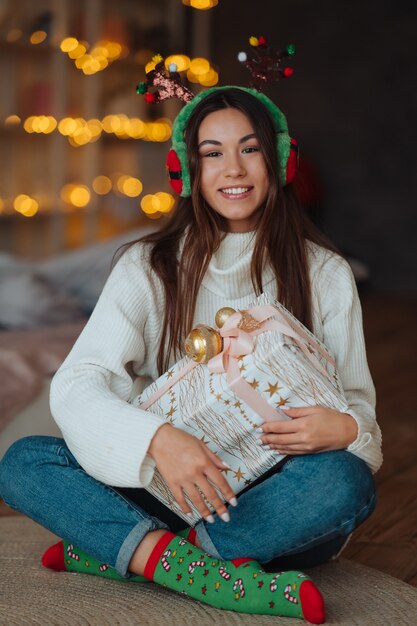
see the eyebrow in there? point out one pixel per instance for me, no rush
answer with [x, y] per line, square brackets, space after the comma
[219, 143]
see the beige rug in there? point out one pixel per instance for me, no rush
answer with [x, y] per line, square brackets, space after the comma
[31, 595]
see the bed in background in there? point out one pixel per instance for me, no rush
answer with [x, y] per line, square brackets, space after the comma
[43, 308]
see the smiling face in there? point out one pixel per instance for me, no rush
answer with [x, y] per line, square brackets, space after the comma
[234, 177]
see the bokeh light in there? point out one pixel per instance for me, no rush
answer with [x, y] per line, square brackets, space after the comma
[38, 36]
[102, 185]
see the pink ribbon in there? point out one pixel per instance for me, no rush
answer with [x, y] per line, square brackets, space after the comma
[237, 343]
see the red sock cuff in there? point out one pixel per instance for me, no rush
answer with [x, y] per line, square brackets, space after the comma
[192, 535]
[156, 553]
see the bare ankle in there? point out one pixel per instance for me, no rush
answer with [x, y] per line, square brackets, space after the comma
[143, 551]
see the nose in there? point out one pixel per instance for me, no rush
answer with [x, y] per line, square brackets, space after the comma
[234, 166]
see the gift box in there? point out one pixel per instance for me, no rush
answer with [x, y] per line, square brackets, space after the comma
[267, 360]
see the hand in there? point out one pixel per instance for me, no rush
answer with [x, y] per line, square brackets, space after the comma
[187, 464]
[311, 429]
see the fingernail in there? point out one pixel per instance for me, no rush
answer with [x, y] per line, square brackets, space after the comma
[226, 464]
[260, 442]
[225, 517]
[209, 519]
[233, 501]
[190, 514]
[259, 430]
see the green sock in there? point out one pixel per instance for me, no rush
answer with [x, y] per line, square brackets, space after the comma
[64, 556]
[237, 585]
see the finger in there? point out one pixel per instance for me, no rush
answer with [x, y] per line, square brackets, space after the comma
[282, 426]
[217, 460]
[222, 485]
[214, 498]
[178, 494]
[196, 497]
[282, 440]
[301, 411]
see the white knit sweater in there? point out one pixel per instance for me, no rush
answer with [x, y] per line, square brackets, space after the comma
[89, 394]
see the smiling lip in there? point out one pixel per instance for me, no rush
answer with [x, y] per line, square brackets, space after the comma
[236, 193]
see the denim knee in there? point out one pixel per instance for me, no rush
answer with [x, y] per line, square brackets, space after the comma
[353, 492]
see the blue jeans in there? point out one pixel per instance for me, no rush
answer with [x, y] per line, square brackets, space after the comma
[301, 515]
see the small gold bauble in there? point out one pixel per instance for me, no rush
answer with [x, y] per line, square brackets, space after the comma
[203, 343]
[222, 315]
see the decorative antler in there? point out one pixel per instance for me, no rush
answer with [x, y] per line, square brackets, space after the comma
[265, 65]
[168, 83]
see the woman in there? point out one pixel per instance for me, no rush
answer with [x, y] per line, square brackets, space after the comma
[239, 232]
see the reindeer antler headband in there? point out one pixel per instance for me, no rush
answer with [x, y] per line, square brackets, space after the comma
[265, 65]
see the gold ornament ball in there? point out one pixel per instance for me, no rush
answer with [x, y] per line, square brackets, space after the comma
[203, 343]
[222, 315]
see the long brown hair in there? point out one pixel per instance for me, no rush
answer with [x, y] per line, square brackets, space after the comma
[282, 232]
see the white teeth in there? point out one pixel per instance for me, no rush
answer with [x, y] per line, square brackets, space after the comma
[235, 191]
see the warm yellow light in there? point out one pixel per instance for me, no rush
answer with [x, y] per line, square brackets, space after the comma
[193, 78]
[66, 192]
[114, 50]
[12, 120]
[181, 61]
[79, 196]
[150, 66]
[13, 35]
[78, 52]
[2, 206]
[100, 51]
[102, 185]
[136, 128]
[38, 36]
[52, 124]
[201, 4]
[28, 124]
[94, 127]
[148, 204]
[132, 187]
[210, 79]
[80, 137]
[67, 126]
[68, 44]
[25, 205]
[30, 209]
[199, 66]
[166, 201]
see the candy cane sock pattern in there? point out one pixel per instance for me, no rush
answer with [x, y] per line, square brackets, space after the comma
[65, 557]
[238, 585]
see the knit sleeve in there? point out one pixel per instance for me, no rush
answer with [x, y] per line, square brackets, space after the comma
[341, 317]
[90, 392]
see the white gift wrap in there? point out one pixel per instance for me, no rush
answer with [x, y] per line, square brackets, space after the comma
[203, 404]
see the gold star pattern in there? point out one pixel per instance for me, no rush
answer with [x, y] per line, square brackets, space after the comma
[219, 397]
[272, 389]
[254, 384]
[171, 412]
[180, 560]
[239, 474]
[190, 581]
[204, 440]
[174, 554]
[217, 585]
[170, 373]
[242, 368]
[237, 404]
[282, 402]
[226, 469]
[227, 402]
